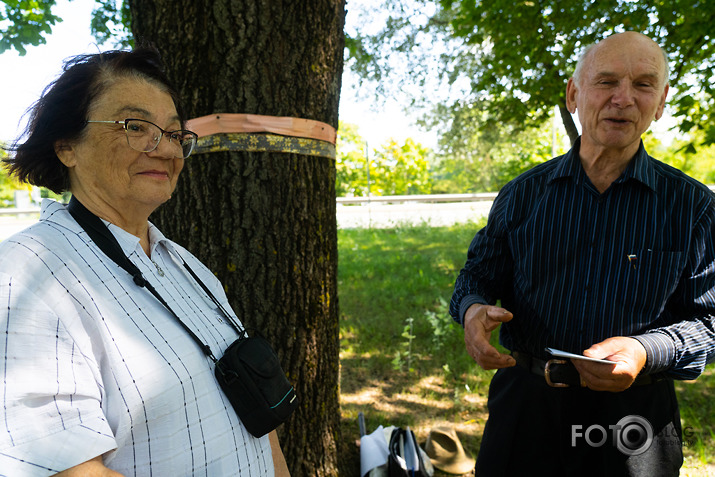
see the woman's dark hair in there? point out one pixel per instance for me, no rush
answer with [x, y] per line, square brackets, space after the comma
[61, 112]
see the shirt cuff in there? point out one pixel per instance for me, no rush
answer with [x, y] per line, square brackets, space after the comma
[59, 451]
[659, 350]
[468, 301]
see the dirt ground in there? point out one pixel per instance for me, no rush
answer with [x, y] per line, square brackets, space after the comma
[428, 404]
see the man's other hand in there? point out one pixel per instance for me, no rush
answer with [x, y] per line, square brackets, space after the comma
[479, 322]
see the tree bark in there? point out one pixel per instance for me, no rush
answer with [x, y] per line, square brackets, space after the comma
[569, 124]
[264, 222]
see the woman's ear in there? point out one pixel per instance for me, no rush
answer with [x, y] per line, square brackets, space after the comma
[65, 152]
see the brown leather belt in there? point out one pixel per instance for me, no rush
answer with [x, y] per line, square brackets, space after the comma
[560, 373]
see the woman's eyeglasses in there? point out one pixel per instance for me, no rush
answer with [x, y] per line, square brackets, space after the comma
[145, 136]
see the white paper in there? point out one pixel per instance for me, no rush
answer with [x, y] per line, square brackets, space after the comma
[565, 354]
[411, 458]
[373, 451]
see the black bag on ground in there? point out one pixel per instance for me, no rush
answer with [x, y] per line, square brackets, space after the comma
[404, 458]
[251, 376]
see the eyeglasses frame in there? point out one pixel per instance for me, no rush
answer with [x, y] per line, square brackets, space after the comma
[125, 122]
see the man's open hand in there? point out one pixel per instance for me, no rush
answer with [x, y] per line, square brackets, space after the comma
[479, 322]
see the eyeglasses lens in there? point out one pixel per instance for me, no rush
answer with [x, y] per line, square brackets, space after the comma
[144, 136]
[187, 141]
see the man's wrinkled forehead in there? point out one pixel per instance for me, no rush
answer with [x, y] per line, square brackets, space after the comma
[636, 48]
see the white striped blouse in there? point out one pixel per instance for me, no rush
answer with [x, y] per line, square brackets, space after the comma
[92, 364]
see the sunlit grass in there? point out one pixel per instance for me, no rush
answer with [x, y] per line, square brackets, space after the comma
[697, 411]
[402, 357]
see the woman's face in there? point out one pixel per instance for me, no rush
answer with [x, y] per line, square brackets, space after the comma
[109, 177]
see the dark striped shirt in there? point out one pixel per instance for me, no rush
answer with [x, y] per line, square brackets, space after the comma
[576, 267]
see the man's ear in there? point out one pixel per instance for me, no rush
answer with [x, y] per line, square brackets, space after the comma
[661, 105]
[571, 95]
[66, 153]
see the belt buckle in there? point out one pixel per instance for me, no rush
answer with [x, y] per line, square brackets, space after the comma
[547, 373]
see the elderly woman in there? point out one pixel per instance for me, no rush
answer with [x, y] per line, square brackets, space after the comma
[98, 376]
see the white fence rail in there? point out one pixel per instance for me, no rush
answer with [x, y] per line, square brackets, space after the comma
[401, 199]
[23, 211]
[382, 210]
[375, 199]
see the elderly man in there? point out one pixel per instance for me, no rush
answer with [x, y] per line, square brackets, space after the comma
[603, 252]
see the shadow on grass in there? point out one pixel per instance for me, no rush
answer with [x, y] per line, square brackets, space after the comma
[403, 360]
[697, 412]
[420, 400]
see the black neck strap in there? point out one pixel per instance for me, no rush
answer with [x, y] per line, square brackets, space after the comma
[107, 243]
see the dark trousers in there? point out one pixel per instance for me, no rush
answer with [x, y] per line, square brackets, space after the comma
[537, 430]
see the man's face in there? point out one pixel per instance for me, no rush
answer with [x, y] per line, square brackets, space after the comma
[621, 90]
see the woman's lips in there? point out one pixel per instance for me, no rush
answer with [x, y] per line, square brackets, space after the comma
[156, 174]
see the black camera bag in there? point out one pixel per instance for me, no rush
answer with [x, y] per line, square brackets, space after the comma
[252, 378]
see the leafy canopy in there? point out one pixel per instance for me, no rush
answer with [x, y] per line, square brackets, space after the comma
[26, 22]
[475, 159]
[516, 56]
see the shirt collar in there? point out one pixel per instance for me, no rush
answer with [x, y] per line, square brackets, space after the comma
[640, 168]
[56, 212]
[130, 243]
[570, 165]
[157, 238]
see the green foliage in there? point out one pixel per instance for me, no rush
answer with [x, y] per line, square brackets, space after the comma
[404, 356]
[8, 185]
[25, 22]
[401, 169]
[110, 21]
[394, 285]
[515, 57]
[697, 163]
[474, 158]
[351, 164]
[394, 169]
[441, 328]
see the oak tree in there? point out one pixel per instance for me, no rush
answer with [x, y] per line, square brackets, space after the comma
[263, 221]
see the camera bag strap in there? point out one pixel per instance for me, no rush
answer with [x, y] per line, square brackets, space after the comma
[249, 372]
[107, 243]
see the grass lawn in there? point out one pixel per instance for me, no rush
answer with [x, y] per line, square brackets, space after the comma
[402, 358]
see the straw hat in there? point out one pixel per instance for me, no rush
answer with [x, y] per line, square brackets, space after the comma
[446, 452]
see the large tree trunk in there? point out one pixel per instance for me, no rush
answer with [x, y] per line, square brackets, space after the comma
[569, 124]
[264, 222]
